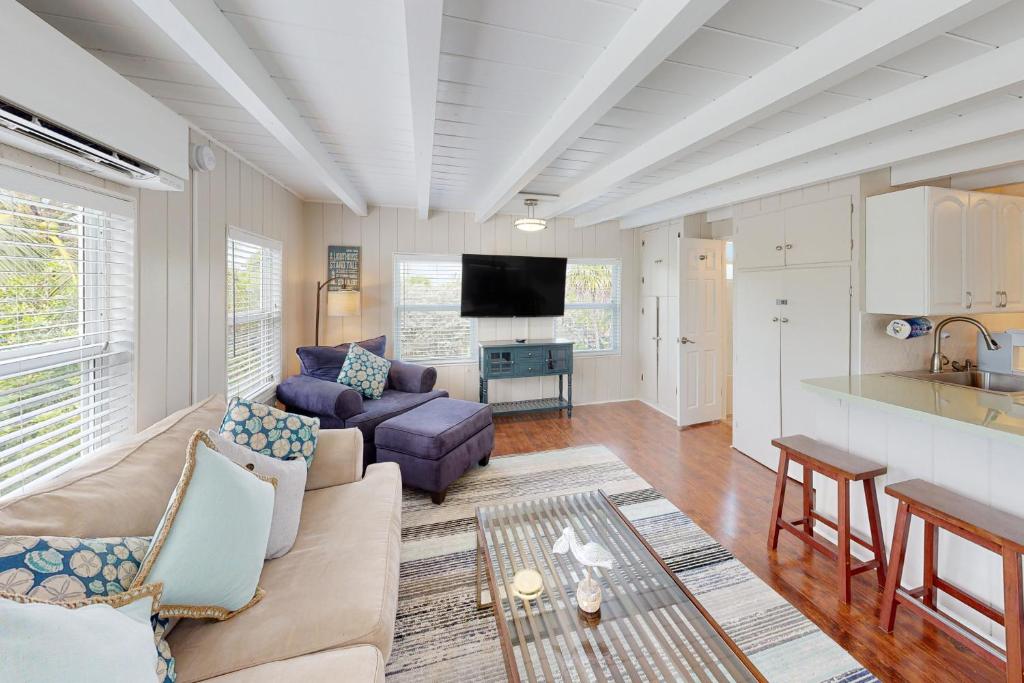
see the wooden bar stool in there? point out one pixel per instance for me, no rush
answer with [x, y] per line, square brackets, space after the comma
[1000, 532]
[842, 467]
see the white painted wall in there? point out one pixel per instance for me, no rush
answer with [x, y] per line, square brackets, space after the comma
[171, 371]
[388, 230]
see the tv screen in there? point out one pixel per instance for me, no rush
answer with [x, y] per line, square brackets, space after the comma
[512, 286]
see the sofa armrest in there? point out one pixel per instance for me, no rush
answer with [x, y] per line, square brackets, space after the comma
[338, 459]
[411, 378]
[319, 397]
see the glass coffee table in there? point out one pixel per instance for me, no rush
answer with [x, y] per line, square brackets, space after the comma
[649, 627]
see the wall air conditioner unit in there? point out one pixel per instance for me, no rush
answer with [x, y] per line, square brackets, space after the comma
[59, 101]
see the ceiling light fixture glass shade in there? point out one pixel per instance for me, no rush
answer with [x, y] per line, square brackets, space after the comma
[530, 224]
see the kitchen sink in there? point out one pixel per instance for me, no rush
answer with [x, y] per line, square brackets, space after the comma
[995, 382]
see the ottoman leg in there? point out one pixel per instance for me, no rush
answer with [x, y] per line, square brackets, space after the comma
[438, 496]
[484, 460]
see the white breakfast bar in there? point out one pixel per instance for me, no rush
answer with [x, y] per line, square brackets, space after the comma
[964, 439]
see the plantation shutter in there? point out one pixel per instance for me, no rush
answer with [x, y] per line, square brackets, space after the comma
[428, 295]
[67, 324]
[253, 314]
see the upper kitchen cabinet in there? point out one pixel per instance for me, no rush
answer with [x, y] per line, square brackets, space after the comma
[936, 251]
[800, 235]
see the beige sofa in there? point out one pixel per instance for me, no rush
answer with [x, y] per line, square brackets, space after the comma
[329, 610]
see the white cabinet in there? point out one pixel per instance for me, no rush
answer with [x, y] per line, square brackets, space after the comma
[932, 250]
[654, 262]
[658, 330]
[788, 325]
[647, 349]
[800, 235]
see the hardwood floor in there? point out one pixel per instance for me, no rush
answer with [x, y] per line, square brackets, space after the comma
[729, 496]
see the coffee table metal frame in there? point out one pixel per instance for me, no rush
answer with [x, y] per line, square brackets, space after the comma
[648, 623]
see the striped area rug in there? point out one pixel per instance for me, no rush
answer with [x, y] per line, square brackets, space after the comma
[440, 635]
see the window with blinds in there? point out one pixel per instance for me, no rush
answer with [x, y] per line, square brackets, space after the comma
[428, 294]
[253, 293]
[67, 324]
[593, 305]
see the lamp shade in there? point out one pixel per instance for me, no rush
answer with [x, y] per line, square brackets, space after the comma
[343, 303]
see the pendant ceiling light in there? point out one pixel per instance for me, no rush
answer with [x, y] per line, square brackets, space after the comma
[530, 224]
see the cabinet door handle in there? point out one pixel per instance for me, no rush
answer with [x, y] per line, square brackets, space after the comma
[789, 246]
[778, 247]
[1004, 298]
[684, 340]
[660, 260]
[775, 319]
[970, 300]
[785, 320]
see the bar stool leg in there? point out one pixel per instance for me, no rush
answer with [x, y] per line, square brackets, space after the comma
[780, 496]
[808, 499]
[897, 558]
[1014, 616]
[875, 522]
[844, 539]
[931, 558]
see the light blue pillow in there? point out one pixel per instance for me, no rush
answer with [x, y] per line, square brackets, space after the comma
[270, 431]
[365, 372]
[97, 639]
[59, 569]
[208, 549]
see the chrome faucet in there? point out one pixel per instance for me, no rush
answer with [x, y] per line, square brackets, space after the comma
[990, 343]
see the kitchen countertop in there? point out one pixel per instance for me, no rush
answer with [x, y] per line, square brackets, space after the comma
[980, 412]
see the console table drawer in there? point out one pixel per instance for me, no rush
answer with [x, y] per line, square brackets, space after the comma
[531, 368]
[536, 354]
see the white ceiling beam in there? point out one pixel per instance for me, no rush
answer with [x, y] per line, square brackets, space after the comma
[876, 33]
[999, 120]
[423, 47]
[986, 74]
[200, 29]
[984, 155]
[649, 36]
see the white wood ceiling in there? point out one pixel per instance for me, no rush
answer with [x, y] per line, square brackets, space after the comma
[503, 70]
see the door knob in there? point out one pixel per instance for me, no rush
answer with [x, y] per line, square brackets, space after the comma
[684, 340]
[778, 247]
[775, 319]
[785, 320]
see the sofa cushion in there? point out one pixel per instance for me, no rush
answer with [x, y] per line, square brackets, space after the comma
[433, 429]
[121, 490]
[337, 587]
[324, 362]
[358, 664]
[390, 403]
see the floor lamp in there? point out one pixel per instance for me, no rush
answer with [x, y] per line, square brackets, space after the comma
[340, 303]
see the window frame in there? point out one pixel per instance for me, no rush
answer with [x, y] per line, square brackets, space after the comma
[121, 214]
[615, 306]
[266, 391]
[397, 308]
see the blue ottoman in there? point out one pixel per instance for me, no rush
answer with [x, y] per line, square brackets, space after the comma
[435, 443]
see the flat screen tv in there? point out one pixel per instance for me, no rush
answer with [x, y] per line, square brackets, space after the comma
[512, 286]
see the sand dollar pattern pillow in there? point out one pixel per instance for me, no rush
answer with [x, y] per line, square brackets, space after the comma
[270, 431]
[66, 570]
[365, 372]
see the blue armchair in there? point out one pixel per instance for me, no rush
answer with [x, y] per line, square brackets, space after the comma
[317, 393]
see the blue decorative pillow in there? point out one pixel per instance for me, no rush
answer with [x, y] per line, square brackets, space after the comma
[270, 431]
[365, 372]
[59, 569]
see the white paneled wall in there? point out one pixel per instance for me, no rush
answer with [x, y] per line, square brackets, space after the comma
[172, 370]
[388, 230]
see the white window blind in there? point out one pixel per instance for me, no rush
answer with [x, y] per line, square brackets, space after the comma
[253, 290]
[593, 305]
[428, 294]
[67, 324]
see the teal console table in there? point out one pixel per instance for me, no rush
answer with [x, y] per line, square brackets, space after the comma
[535, 358]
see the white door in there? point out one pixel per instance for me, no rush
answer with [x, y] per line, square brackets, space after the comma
[760, 241]
[947, 220]
[647, 347]
[1009, 251]
[668, 330]
[653, 262]
[815, 338]
[700, 339]
[819, 232]
[981, 278]
[756, 334]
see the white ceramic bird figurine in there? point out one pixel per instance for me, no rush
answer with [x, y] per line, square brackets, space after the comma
[589, 555]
